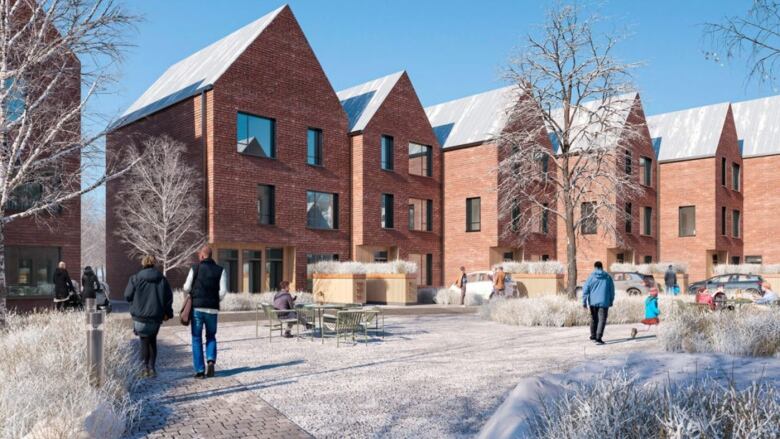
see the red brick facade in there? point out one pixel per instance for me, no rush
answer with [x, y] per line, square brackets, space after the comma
[760, 202]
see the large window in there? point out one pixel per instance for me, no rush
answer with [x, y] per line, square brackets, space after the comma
[251, 262]
[646, 166]
[30, 270]
[588, 218]
[256, 135]
[387, 153]
[545, 226]
[420, 215]
[735, 223]
[387, 211]
[687, 221]
[515, 217]
[723, 171]
[228, 258]
[723, 226]
[473, 214]
[628, 162]
[735, 176]
[266, 204]
[647, 221]
[420, 160]
[628, 217]
[314, 147]
[380, 256]
[24, 197]
[424, 268]
[322, 210]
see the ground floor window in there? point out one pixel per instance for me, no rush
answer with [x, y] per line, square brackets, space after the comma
[648, 259]
[545, 257]
[509, 256]
[735, 260]
[252, 263]
[753, 259]
[380, 256]
[424, 268]
[29, 271]
[228, 258]
[274, 266]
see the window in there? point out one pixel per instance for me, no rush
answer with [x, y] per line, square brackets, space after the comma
[256, 135]
[545, 257]
[387, 153]
[322, 210]
[629, 167]
[380, 256]
[24, 197]
[473, 215]
[387, 212]
[735, 176]
[735, 261]
[420, 160]
[647, 221]
[545, 164]
[753, 259]
[735, 223]
[228, 258]
[30, 270]
[723, 171]
[274, 267]
[515, 217]
[629, 214]
[420, 215]
[15, 99]
[314, 147]
[545, 229]
[723, 221]
[508, 256]
[266, 204]
[687, 221]
[646, 166]
[648, 259]
[621, 258]
[251, 262]
[588, 218]
[424, 263]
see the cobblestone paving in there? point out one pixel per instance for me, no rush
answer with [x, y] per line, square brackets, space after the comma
[177, 406]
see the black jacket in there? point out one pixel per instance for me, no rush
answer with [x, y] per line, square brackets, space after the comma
[150, 296]
[89, 284]
[205, 289]
[62, 283]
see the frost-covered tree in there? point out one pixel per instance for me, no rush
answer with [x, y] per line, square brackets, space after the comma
[558, 150]
[159, 209]
[55, 56]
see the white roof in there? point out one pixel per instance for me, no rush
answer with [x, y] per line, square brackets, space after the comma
[195, 73]
[473, 119]
[594, 117]
[362, 101]
[758, 126]
[688, 134]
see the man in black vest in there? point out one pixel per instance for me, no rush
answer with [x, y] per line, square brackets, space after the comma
[207, 284]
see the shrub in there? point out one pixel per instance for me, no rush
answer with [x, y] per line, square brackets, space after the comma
[618, 406]
[243, 301]
[747, 269]
[352, 267]
[44, 391]
[658, 267]
[451, 296]
[749, 331]
[539, 267]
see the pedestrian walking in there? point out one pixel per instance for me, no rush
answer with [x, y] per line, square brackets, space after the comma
[598, 294]
[670, 279]
[151, 303]
[461, 283]
[90, 284]
[499, 281]
[207, 285]
[63, 286]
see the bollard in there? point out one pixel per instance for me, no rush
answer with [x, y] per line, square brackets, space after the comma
[95, 347]
[90, 304]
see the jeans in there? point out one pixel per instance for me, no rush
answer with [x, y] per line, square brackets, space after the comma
[199, 320]
[598, 320]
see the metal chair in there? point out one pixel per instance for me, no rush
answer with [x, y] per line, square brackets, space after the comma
[275, 321]
[348, 323]
[373, 320]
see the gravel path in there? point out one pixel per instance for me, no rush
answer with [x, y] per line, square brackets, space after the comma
[432, 376]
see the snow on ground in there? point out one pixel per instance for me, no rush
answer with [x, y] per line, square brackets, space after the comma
[653, 367]
[432, 376]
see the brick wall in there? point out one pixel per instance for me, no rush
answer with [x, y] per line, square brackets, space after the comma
[760, 206]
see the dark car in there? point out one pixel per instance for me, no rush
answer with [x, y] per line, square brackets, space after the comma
[732, 284]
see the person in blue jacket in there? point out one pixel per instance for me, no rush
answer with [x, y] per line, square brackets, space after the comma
[598, 294]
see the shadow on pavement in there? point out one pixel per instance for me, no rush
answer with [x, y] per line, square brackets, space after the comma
[239, 370]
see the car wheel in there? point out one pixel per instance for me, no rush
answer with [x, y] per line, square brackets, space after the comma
[633, 292]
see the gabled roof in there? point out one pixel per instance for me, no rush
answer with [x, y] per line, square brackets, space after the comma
[592, 118]
[362, 101]
[473, 119]
[195, 73]
[758, 126]
[688, 134]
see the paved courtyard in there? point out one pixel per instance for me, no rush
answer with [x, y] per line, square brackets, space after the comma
[432, 376]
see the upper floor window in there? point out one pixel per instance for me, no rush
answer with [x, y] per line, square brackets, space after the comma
[314, 146]
[322, 210]
[387, 211]
[723, 220]
[545, 226]
[735, 176]
[628, 162]
[723, 171]
[735, 223]
[387, 153]
[473, 214]
[687, 221]
[515, 217]
[588, 224]
[646, 165]
[266, 200]
[256, 135]
[420, 159]
[420, 214]
[628, 217]
[24, 197]
[647, 221]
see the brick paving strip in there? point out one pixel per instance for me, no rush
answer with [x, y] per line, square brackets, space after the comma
[175, 405]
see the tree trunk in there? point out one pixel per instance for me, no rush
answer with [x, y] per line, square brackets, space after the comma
[571, 237]
[3, 286]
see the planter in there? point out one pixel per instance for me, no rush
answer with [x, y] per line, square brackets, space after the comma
[394, 289]
[682, 281]
[339, 288]
[536, 285]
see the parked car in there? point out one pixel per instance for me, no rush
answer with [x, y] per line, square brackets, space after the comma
[632, 283]
[480, 283]
[734, 285]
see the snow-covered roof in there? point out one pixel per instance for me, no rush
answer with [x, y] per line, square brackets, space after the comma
[473, 119]
[594, 117]
[688, 134]
[362, 101]
[195, 73]
[758, 126]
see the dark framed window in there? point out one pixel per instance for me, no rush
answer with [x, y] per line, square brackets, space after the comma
[420, 160]
[266, 204]
[545, 163]
[628, 162]
[251, 264]
[380, 256]
[735, 177]
[508, 256]
[588, 223]
[646, 165]
[647, 221]
[387, 153]
[429, 269]
[256, 135]
[24, 197]
[648, 259]
[387, 211]
[473, 214]
[723, 171]
[754, 259]
[314, 146]
[736, 226]
[687, 220]
[628, 217]
[228, 259]
[723, 217]
[420, 214]
[30, 270]
[322, 210]
[515, 217]
[545, 228]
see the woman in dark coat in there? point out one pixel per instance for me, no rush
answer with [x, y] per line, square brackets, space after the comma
[151, 303]
[90, 284]
[63, 286]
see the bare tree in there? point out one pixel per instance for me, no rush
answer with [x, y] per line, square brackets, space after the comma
[756, 36]
[55, 56]
[558, 153]
[93, 234]
[160, 210]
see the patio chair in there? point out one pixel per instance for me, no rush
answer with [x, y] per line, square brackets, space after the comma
[348, 324]
[275, 320]
[306, 317]
[373, 320]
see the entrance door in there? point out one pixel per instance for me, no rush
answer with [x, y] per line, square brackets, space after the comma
[274, 266]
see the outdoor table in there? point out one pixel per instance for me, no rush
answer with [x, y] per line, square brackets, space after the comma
[319, 309]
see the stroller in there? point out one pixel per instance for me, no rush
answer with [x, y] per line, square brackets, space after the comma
[74, 301]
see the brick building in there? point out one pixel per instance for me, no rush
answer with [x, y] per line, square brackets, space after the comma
[396, 176]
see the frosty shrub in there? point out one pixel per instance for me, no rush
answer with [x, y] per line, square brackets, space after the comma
[658, 267]
[352, 267]
[44, 392]
[748, 331]
[747, 269]
[539, 267]
[617, 406]
[243, 301]
[451, 296]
